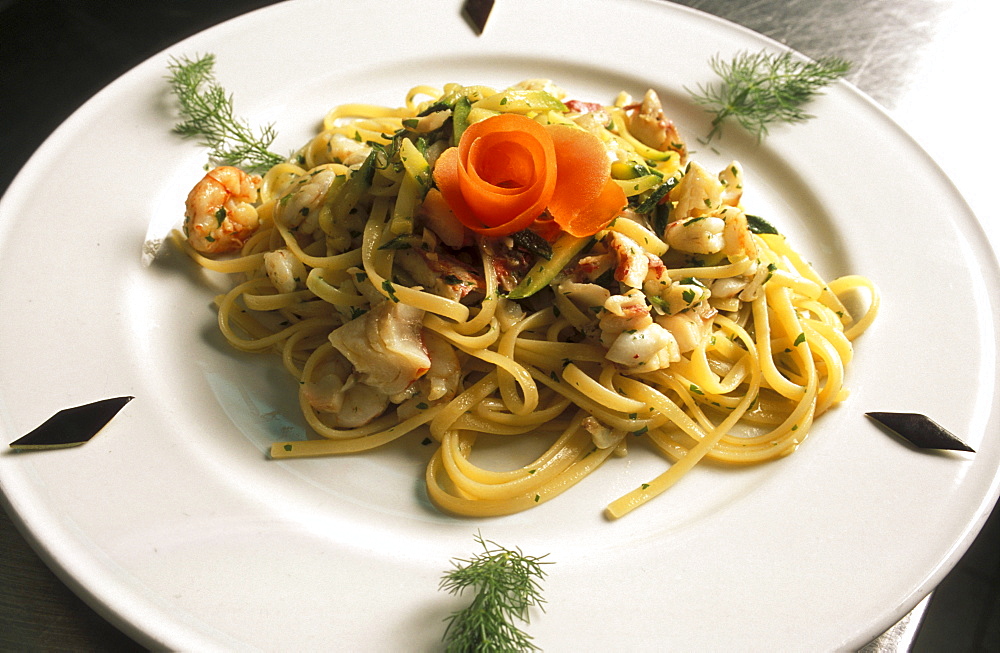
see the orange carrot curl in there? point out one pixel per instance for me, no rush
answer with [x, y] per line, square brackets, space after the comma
[508, 170]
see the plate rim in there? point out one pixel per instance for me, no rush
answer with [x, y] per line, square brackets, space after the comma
[111, 611]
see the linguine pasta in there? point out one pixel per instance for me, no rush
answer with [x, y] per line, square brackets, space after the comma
[405, 306]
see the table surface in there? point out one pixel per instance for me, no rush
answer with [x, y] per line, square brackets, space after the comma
[920, 59]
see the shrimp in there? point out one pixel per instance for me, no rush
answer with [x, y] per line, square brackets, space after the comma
[648, 348]
[634, 341]
[728, 292]
[219, 214]
[651, 127]
[739, 241]
[298, 209]
[635, 264]
[732, 179]
[590, 268]
[689, 328]
[697, 235]
[347, 151]
[623, 313]
[697, 193]
[679, 296]
[284, 270]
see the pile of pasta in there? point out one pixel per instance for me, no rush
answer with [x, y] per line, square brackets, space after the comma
[683, 323]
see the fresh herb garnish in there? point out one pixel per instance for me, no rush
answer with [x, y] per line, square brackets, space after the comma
[402, 241]
[506, 583]
[759, 225]
[207, 112]
[762, 88]
[530, 241]
[390, 290]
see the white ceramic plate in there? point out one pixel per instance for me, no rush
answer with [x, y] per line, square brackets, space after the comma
[175, 525]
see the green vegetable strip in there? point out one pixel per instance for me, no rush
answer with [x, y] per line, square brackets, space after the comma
[545, 270]
[416, 182]
[460, 118]
[342, 197]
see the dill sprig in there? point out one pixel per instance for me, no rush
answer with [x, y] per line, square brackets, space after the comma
[759, 89]
[207, 112]
[506, 583]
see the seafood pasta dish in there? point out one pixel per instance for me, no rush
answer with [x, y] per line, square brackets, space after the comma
[517, 265]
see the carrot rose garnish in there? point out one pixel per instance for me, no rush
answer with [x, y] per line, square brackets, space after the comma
[585, 198]
[508, 169]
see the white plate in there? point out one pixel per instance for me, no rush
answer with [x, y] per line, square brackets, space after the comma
[175, 525]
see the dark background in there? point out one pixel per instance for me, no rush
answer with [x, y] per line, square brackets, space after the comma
[55, 54]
